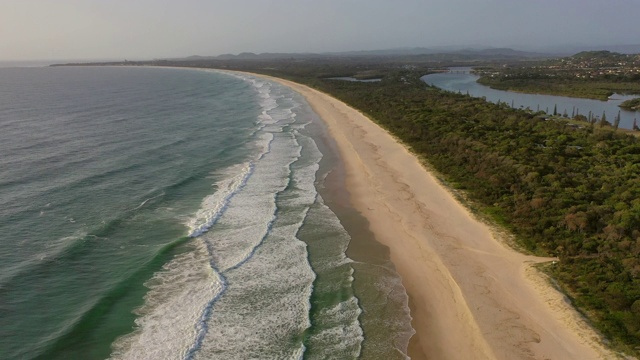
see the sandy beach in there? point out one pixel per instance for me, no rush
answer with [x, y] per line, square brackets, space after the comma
[472, 296]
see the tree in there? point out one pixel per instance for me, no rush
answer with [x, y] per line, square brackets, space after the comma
[603, 119]
[616, 123]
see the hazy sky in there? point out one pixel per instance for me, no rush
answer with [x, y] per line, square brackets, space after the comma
[143, 29]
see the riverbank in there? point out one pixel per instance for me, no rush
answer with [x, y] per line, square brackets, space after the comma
[545, 100]
[575, 89]
[471, 296]
[631, 105]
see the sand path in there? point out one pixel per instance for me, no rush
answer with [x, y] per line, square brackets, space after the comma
[472, 296]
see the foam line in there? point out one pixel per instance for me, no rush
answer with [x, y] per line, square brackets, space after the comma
[215, 205]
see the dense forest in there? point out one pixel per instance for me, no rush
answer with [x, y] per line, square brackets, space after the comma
[566, 191]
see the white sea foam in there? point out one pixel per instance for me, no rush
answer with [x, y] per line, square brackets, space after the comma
[341, 335]
[177, 295]
[335, 255]
[250, 214]
[397, 294]
[149, 199]
[338, 331]
[245, 291]
[213, 205]
[265, 310]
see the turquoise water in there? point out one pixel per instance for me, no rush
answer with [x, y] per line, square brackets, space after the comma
[169, 213]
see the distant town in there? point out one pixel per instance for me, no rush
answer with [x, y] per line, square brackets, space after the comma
[590, 74]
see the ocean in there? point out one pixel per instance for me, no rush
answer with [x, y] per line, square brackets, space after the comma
[164, 213]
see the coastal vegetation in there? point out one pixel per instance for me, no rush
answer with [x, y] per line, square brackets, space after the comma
[591, 74]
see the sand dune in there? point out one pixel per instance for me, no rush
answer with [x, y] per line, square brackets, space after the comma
[472, 296]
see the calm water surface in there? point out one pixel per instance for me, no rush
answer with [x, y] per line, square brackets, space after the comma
[462, 80]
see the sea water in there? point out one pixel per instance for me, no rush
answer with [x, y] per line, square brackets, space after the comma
[158, 213]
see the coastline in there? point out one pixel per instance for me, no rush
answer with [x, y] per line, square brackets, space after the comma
[471, 296]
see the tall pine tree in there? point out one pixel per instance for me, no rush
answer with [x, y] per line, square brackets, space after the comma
[603, 120]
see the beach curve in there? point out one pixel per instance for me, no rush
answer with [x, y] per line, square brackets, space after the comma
[472, 296]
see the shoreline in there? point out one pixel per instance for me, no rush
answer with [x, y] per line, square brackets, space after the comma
[364, 249]
[471, 295]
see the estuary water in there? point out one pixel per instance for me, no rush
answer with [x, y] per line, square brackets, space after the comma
[160, 213]
[462, 80]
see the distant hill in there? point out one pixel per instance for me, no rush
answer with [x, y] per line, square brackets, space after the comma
[504, 52]
[573, 49]
[605, 56]
[444, 50]
[492, 53]
[601, 54]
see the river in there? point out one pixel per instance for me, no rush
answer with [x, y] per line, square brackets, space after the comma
[462, 80]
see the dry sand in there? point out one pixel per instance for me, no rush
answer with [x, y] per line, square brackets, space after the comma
[472, 296]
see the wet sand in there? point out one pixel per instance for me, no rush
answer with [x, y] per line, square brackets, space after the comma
[472, 297]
